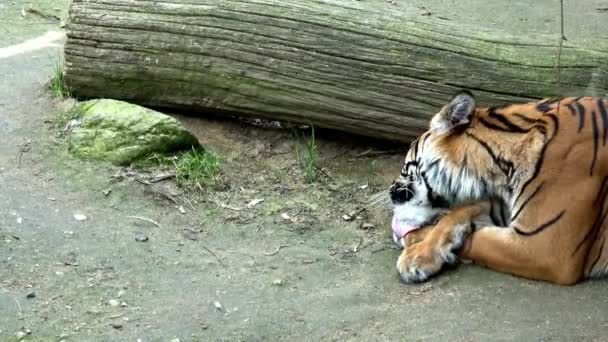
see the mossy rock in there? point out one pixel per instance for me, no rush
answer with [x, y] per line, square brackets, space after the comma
[121, 132]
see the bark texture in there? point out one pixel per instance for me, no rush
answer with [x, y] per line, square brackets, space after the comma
[365, 67]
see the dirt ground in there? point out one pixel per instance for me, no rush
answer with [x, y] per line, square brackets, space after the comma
[289, 268]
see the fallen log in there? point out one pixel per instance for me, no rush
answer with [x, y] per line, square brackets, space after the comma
[365, 67]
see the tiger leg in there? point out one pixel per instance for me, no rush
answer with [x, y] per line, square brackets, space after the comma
[415, 236]
[596, 265]
[423, 259]
[540, 258]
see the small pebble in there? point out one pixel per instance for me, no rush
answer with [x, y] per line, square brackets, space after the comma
[277, 282]
[141, 238]
[181, 209]
[19, 220]
[123, 304]
[367, 225]
[20, 335]
[80, 217]
[113, 302]
[31, 295]
[117, 326]
[218, 305]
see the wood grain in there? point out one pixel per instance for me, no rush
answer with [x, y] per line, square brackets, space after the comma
[364, 67]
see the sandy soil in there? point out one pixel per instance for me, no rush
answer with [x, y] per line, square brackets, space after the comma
[215, 273]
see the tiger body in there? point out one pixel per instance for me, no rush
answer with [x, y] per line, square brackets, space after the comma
[545, 161]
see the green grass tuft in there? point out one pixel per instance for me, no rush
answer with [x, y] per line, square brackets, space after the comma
[197, 168]
[57, 85]
[310, 169]
[309, 165]
[77, 110]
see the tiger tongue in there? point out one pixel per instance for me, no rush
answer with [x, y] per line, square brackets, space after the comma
[401, 229]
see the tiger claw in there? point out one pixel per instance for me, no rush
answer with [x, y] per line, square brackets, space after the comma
[417, 269]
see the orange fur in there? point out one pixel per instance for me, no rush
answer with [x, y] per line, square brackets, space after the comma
[548, 161]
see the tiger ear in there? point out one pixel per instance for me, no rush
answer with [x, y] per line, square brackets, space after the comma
[456, 113]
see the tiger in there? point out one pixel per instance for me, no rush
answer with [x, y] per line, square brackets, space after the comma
[519, 188]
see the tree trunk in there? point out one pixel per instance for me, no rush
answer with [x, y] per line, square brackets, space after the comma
[365, 67]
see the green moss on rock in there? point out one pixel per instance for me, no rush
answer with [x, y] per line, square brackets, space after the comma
[121, 132]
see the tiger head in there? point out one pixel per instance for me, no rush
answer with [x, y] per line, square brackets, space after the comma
[457, 160]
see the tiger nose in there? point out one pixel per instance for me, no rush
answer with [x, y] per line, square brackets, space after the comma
[401, 192]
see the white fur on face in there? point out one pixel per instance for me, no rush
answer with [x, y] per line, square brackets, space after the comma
[418, 211]
[454, 184]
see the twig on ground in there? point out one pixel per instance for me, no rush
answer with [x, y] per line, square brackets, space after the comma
[147, 220]
[158, 190]
[25, 147]
[356, 248]
[18, 305]
[162, 177]
[225, 206]
[339, 154]
[42, 14]
[275, 252]
[324, 172]
[370, 153]
[379, 249]
[189, 203]
[119, 315]
[212, 253]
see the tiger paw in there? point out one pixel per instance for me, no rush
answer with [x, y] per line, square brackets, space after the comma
[418, 263]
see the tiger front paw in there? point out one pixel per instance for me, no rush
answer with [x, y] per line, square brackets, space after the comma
[422, 260]
[418, 263]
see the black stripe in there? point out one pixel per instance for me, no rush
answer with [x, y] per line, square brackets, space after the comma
[514, 216]
[539, 162]
[513, 127]
[495, 220]
[493, 214]
[432, 164]
[542, 226]
[581, 114]
[525, 118]
[599, 254]
[415, 147]
[604, 113]
[602, 193]
[601, 216]
[595, 141]
[546, 104]
[541, 129]
[494, 126]
[484, 187]
[544, 107]
[423, 141]
[504, 165]
[571, 108]
[435, 201]
[502, 214]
